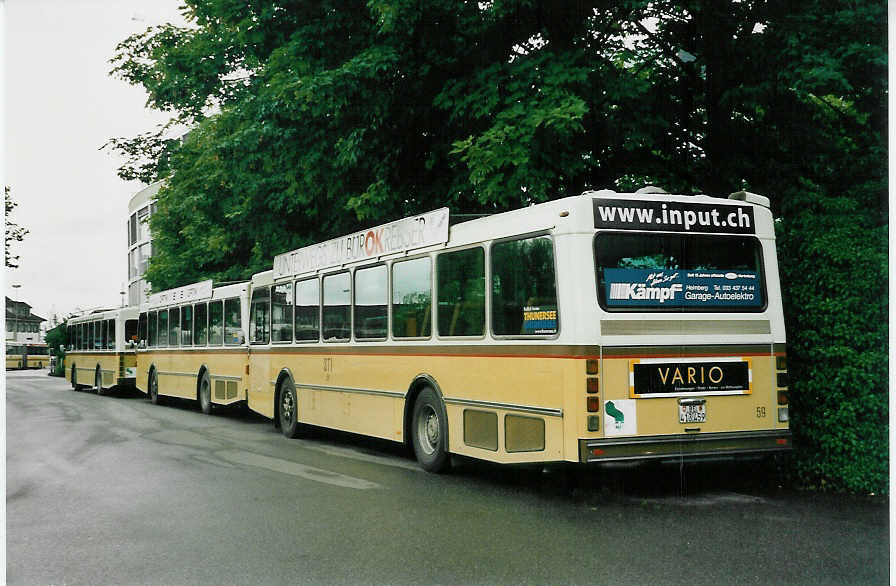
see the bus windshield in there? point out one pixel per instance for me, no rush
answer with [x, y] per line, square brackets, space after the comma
[679, 272]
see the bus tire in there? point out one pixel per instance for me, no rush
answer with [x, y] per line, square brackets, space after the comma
[288, 409]
[205, 395]
[429, 432]
[154, 388]
[98, 382]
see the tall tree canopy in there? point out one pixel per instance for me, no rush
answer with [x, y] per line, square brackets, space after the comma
[14, 232]
[311, 117]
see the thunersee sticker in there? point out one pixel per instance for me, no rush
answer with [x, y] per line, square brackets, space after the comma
[681, 288]
[673, 216]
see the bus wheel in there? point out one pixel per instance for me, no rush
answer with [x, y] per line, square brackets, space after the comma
[429, 432]
[154, 388]
[289, 409]
[98, 382]
[205, 395]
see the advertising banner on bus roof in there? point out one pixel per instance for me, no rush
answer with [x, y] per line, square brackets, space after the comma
[402, 235]
[673, 216]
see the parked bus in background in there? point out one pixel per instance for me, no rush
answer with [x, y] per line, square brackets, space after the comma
[192, 344]
[37, 355]
[20, 356]
[15, 356]
[101, 349]
[603, 327]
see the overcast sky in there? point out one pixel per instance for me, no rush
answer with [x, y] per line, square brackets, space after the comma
[60, 106]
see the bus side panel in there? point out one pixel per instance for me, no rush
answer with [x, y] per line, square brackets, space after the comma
[262, 376]
[227, 370]
[143, 360]
[364, 393]
[108, 364]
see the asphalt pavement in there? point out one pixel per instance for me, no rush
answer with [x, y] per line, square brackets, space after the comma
[115, 490]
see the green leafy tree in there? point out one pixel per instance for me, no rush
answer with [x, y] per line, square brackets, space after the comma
[14, 232]
[310, 118]
[56, 337]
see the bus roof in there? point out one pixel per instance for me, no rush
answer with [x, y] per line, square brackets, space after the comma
[125, 312]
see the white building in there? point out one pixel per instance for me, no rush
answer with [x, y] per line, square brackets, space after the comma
[22, 326]
[140, 208]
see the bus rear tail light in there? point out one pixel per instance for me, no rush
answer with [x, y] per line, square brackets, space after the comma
[592, 385]
[591, 366]
[783, 398]
[593, 404]
[783, 414]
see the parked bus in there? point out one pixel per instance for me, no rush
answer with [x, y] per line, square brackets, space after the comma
[19, 356]
[15, 356]
[598, 328]
[602, 327]
[101, 349]
[192, 344]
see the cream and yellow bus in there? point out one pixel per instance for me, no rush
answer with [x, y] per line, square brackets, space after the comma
[15, 356]
[101, 349]
[597, 328]
[19, 356]
[192, 344]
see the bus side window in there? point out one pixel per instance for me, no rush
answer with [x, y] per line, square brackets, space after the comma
[371, 298]
[337, 307]
[200, 320]
[174, 326]
[103, 334]
[412, 298]
[461, 287]
[163, 328]
[259, 316]
[110, 329]
[186, 325]
[524, 292]
[141, 330]
[281, 313]
[215, 323]
[130, 331]
[233, 323]
[152, 338]
[308, 310]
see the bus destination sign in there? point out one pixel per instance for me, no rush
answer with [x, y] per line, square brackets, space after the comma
[402, 235]
[665, 378]
[194, 292]
[673, 216]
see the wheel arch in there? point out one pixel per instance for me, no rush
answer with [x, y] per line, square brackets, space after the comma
[149, 375]
[284, 374]
[420, 382]
[203, 370]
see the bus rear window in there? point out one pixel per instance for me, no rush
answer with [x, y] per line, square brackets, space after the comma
[679, 272]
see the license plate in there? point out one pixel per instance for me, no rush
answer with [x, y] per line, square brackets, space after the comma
[692, 413]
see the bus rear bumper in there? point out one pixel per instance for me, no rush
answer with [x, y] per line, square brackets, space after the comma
[685, 446]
